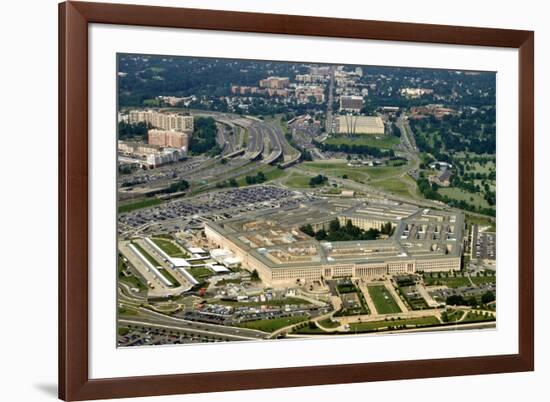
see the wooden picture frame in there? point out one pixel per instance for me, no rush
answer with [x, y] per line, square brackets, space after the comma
[74, 381]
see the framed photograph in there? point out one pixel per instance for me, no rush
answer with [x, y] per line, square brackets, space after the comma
[260, 200]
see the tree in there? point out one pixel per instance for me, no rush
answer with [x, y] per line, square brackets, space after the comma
[456, 300]
[255, 276]
[488, 297]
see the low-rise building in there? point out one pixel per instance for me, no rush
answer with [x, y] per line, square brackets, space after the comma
[350, 124]
[272, 243]
[351, 103]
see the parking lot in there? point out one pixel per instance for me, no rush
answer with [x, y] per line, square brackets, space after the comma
[211, 204]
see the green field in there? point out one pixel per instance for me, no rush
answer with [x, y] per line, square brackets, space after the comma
[477, 317]
[450, 282]
[270, 172]
[455, 193]
[481, 221]
[148, 256]
[273, 324]
[403, 186]
[377, 325]
[127, 311]
[297, 181]
[200, 273]
[482, 280]
[132, 281]
[148, 202]
[170, 248]
[227, 281]
[169, 276]
[383, 300]
[273, 302]
[452, 315]
[328, 323]
[307, 330]
[122, 331]
[378, 141]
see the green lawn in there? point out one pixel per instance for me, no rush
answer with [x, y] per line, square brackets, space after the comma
[297, 181]
[148, 202]
[273, 324]
[200, 273]
[378, 141]
[126, 311]
[169, 276]
[148, 256]
[132, 281]
[309, 331]
[122, 331]
[477, 317]
[481, 221]
[270, 172]
[275, 302]
[397, 185]
[383, 300]
[226, 281]
[328, 323]
[170, 248]
[376, 325]
[482, 280]
[451, 282]
[453, 315]
[455, 193]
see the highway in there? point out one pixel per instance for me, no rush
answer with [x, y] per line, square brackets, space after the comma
[150, 318]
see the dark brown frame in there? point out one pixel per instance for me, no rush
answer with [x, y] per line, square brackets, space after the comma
[74, 17]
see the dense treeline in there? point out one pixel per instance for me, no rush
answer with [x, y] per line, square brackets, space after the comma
[144, 77]
[359, 149]
[429, 191]
[204, 137]
[133, 132]
[317, 180]
[337, 232]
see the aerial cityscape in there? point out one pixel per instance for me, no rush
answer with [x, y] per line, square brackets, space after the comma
[263, 200]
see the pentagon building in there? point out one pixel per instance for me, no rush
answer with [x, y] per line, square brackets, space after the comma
[272, 243]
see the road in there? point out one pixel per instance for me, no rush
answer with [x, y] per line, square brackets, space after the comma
[151, 318]
[330, 101]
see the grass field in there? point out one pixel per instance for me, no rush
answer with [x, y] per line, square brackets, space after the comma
[383, 300]
[482, 280]
[328, 323]
[475, 199]
[122, 331]
[377, 325]
[397, 185]
[148, 202]
[454, 315]
[170, 248]
[297, 181]
[378, 141]
[485, 168]
[270, 172]
[451, 282]
[200, 273]
[273, 324]
[477, 317]
[276, 302]
[148, 256]
[309, 331]
[227, 281]
[481, 221]
[133, 282]
[169, 276]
